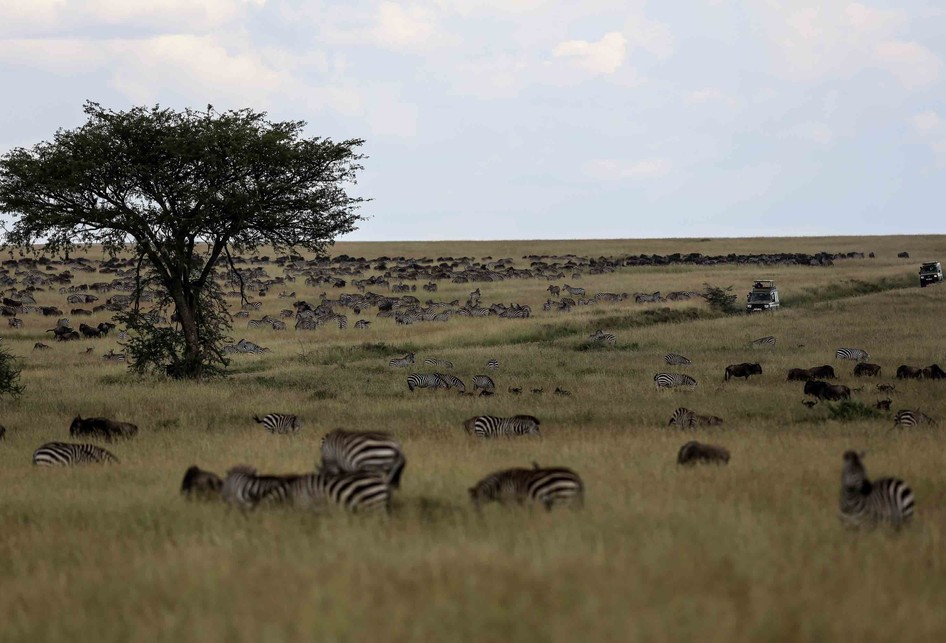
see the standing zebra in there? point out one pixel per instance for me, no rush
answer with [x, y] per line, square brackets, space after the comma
[673, 380]
[492, 364]
[483, 383]
[355, 492]
[907, 417]
[67, 454]
[425, 380]
[489, 426]
[866, 502]
[279, 422]
[764, 342]
[362, 324]
[602, 337]
[855, 354]
[353, 451]
[574, 292]
[452, 382]
[442, 363]
[244, 488]
[402, 362]
[676, 360]
[547, 487]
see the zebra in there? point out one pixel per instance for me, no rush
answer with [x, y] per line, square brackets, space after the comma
[244, 488]
[676, 360]
[492, 364]
[574, 292]
[866, 502]
[452, 382]
[547, 487]
[764, 342]
[362, 451]
[442, 363]
[687, 419]
[112, 356]
[15, 322]
[554, 291]
[425, 380]
[483, 383]
[402, 362]
[490, 426]
[355, 492]
[673, 380]
[855, 354]
[599, 336]
[362, 324]
[281, 423]
[67, 454]
[907, 417]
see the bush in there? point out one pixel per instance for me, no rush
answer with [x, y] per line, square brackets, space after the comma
[849, 411]
[720, 299]
[9, 375]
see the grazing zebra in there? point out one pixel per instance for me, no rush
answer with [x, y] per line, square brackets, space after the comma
[492, 364]
[279, 422]
[764, 342]
[490, 426]
[554, 291]
[452, 382]
[602, 337]
[402, 362]
[425, 380]
[362, 451]
[359, 492]
[855, 354]
[547, 487]
[574, 292]
[685, 418]
[244, 488]
[112, 356]
[15, 322]
[442, 363]
[906, 417]
[676, 360]
[673, 380]
[483, 383]
[362, 324]
[67, 454]
[865, 502]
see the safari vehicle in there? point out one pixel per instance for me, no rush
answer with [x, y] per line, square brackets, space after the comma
[930, 273]
[763, 296]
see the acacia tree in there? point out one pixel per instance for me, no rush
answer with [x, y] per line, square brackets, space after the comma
[185, 189]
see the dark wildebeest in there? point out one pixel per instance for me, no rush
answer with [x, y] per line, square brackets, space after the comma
[697, 452]
[825, 391]
[905, 372]
[204, 485]
[883, 405]
[89, 331]
[103, 428]
[3, 432]
[742, 370]
[799, 375]
[867, 370]
[825, 372]
[934, 372]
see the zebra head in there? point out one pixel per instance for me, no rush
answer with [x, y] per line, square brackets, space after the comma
[854, 475]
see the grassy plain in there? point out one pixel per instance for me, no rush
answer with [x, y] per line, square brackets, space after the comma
[751, 551]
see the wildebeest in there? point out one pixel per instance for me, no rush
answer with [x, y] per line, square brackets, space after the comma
[883, 405]
[103, 428]
[824, 372]
[824, 391]
[799, 374]
[742, 370]
[867, 370]
[905, 372]
[3, 432]
[89, 331]
[698, 453]
[934, 372]
[201, 484]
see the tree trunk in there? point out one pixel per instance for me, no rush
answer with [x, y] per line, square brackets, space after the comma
[191, 366]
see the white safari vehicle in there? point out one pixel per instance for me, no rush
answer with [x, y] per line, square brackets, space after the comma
[763, 296]
[930, 273]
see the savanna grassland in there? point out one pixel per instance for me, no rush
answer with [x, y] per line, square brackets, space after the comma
[750, 551]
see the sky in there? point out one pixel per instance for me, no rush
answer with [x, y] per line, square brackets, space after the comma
[535, 119]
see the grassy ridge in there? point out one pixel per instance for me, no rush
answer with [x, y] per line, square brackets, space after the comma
[752, 550]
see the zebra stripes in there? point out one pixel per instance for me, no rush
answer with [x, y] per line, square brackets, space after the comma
[483, 383]
[855, 354]
[764, 342]
[676, 360]
[602, 337]
[425, 380]
[907, 417]
[867, 503]
[67, 454]
[492, 364]
[673, 380]
[362, 451]
[490, 426]
[402, 362]
[687, 419]
[359, 492]
[244, 488]
[550, 487]
[440, 363]
[281, 423]
[452, 382]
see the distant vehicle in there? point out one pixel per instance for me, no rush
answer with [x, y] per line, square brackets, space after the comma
[763, 296]
[930, 273]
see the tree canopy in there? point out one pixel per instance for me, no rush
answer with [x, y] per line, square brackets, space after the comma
[184, 188]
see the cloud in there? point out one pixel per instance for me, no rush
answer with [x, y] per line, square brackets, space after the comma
[813, 131]
[390, 25]
[602, 57]
[926, 122]
[617, 169]
[653, 37]
[914, 65]
[710, 95]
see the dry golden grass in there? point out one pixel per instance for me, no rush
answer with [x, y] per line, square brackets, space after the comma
[751, 551]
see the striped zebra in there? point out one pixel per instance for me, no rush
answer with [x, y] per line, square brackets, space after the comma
[244, 488]
[363, 451]
[483, 383]
[452, 382]
[281, 423]
[764, 342]
[67, 454]
[360, 492]
[15, 322]
[441, 363]
[601, 337]
[402, 362]
[425, 380]
[906, 417]
[869, 502]
[574, 292]
[676, 360]
[492, 364]
[548, 487]
[673, 380]
[687, 419]
[362, 324]
[855, 354]
[490, 426]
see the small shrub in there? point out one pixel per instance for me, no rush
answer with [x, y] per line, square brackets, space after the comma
[9, 375]
[849, 411]
[720, 299]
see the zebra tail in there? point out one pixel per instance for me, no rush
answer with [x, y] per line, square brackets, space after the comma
[258, 421]
[394, 480]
